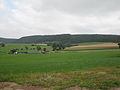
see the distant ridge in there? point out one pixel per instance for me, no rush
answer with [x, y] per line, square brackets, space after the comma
[8, 40]
[65, 38]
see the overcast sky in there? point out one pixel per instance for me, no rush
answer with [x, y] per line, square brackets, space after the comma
[45, 17]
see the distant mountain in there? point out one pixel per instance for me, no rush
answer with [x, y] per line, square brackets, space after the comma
[65, 38]
[7, 40]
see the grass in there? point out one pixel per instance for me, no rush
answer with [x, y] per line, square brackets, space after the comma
[91, 43]
[57, 62]
[94, 70]
[95, 79]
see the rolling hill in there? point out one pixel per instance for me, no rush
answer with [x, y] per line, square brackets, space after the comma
[7, 40]
[65, 38]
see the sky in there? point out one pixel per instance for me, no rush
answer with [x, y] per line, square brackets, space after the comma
[46, 17]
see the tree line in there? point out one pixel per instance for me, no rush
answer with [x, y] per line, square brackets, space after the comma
[67, 38]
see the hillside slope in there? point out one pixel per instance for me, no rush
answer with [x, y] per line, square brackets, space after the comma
[7, 40]
[66, 38]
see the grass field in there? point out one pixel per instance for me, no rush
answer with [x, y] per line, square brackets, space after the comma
[57, 62]
[91, 43]
[93, 70]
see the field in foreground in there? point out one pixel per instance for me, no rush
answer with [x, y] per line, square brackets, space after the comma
[95, 79]
[57, 62]
[57, 71]
[61, 70]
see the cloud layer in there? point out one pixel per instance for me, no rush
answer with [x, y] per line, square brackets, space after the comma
[30, 17]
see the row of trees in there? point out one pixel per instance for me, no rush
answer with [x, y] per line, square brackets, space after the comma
[55, 47]
[38, 48]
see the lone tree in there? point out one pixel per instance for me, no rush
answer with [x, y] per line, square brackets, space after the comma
[38, 48]
[21, 49]
[119, 45]
[26, 48]
[2, 44]
[44, 49]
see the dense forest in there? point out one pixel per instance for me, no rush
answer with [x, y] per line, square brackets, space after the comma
[8, 40]
[64, 38]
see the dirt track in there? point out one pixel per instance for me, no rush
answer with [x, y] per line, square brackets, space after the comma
[14, 86]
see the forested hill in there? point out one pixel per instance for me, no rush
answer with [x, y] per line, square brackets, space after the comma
[66, 38]
[8, 40]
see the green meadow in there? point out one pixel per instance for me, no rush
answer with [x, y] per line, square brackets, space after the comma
[57, 62]
[91, 43]
[61, 70]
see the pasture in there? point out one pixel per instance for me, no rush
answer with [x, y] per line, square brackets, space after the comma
[57, 71]
[90, 43]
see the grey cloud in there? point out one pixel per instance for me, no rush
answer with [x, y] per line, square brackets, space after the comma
[60, 16]
[81, 29]
[82, 6]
